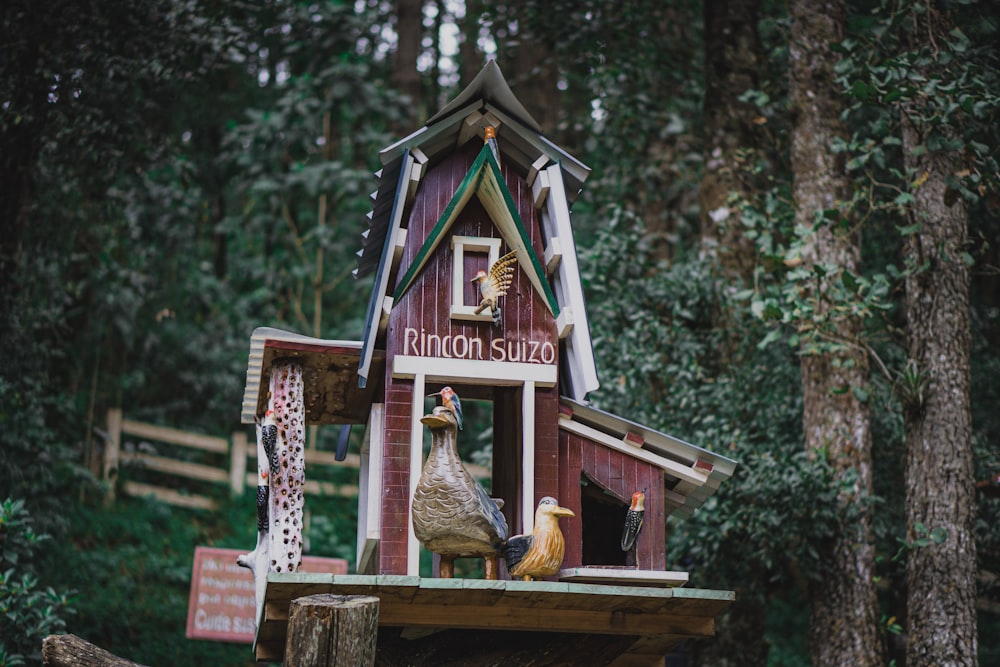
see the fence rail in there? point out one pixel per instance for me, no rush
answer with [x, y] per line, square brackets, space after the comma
[236, 476]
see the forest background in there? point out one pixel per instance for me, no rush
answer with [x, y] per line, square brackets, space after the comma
[789, 242]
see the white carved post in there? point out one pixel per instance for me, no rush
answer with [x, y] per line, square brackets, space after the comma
[281, 476]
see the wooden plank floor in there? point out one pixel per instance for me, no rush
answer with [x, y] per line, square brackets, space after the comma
[658, 617]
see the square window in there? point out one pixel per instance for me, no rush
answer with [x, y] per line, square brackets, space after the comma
[468, 252]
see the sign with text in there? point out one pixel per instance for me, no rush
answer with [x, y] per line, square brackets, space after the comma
[524, 350]
[222, 606]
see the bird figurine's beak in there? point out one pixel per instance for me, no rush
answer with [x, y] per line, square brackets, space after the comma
[563, 511]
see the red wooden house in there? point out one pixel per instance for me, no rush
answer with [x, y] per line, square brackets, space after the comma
[449, 204]
[455, 208]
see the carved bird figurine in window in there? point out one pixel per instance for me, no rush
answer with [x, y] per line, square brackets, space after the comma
[541, 553]
[453, 516]
[494, 284]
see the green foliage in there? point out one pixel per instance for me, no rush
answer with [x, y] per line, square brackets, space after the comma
[132, 565]
[28, 612]
[682, 351]
[133, 562]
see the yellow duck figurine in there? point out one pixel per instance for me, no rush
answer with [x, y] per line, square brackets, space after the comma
[540, 554]
[453, 516]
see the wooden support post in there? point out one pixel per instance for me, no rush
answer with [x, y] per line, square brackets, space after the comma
[281, 474]
[112, 449]
[238, 464]
[332, 630]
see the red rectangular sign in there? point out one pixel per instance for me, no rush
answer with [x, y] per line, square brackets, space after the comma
[222, 606]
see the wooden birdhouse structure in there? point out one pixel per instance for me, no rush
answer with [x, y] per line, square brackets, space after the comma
[480, 186]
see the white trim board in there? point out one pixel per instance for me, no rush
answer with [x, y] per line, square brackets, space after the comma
[505, 373]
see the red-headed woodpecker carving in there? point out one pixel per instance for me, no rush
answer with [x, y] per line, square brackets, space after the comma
[633, 520]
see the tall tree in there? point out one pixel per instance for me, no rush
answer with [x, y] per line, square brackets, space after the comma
[731, 48]
[533, 64]
[836, 419]
[468, 48]
[731, 63]
[940, 502]
[409, 31]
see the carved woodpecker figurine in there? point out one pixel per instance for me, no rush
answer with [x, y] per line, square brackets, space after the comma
[494, 284]
[269, 439]
[450, 400]
[541, 553]
[633, 520]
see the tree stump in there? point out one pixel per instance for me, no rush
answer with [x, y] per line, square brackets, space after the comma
[329, 629]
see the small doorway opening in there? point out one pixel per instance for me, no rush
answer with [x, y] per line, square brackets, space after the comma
[602, 521]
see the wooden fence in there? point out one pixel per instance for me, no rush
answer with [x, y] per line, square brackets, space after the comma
[237, 475]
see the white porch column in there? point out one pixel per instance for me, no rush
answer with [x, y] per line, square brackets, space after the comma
[528, 456]
[416, 467]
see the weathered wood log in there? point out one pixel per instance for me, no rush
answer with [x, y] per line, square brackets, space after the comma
[72, 651]
[328, 629]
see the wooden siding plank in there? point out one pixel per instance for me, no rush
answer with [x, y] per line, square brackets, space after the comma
[569, 496]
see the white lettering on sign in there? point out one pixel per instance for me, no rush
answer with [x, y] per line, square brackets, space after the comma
[523, 350]
[222, 606]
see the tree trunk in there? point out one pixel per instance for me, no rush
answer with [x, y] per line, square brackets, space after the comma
[836, 421]
[731, 60]
[534, 72]
[409, 28]
[940, 487]
[468, 49]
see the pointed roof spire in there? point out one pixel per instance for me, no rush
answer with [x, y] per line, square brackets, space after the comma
[489, 86]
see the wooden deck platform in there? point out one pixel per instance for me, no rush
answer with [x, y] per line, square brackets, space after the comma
[650, 621]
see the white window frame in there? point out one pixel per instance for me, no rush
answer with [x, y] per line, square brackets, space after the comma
[459, 244]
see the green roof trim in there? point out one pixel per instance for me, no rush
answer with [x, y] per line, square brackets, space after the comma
[485, 180]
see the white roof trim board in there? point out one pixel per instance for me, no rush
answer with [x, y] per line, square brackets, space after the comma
[580, 363]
